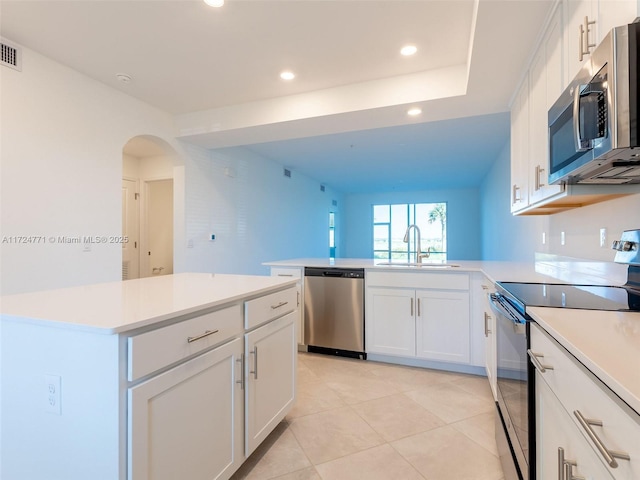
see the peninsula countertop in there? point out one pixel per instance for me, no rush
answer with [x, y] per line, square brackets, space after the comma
[117, 307]
[543, 269]
[607, 343]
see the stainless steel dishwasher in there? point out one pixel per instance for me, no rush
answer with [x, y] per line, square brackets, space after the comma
[334, 311]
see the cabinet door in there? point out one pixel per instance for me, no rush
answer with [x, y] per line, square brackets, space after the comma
[390, 325]
[554, 431]
[576, 11]
[270, 377]
[442, 325]
[187, 422]
[545, 85]
[614, 13]
[519, 148]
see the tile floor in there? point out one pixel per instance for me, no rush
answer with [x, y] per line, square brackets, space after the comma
[357, 419]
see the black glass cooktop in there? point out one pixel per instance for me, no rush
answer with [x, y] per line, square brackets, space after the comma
[585, 297]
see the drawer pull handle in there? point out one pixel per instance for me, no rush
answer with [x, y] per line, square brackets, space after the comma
[202, 335]
[565, 467]
[281, 304]
[487, 331]
[285, 274]
[536, 363]
[241, 362]
[608, 455]
[254, 352]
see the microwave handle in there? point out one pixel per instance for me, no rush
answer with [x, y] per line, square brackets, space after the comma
[577, 135]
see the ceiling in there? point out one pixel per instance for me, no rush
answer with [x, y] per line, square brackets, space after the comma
[217, 71]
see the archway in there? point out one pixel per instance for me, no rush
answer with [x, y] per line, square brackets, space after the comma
[148, 207]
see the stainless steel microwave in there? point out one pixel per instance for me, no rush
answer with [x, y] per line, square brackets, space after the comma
[594, 129]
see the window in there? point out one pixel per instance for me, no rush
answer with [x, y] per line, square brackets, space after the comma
[390, 223]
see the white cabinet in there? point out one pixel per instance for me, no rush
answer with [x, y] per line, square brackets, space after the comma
[588, 22]
[188, 421]
[592, 415]
[421, 315]
[297, 273]
[545, 85]
[270, 372]
[553, 65]
[390, 321]
[529, 123]
[560, 446]
[483, 327]
[519, 148]
[443, 325]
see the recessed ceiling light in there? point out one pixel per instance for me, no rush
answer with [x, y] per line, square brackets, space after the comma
[414, 111]
[214, 3]
[287, 75]
[408, 50]
[123, 77]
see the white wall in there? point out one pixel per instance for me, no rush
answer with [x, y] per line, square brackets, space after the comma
[508, 237]
[61, 169]
[62, 165]
[256, 213]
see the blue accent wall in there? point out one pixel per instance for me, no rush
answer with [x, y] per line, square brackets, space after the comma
[463, 212]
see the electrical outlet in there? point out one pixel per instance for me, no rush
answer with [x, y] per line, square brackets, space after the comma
[544, 238]
[562, 238]
[603, 237]
[52, 394]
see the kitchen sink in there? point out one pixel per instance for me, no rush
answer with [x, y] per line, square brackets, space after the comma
[418, 265]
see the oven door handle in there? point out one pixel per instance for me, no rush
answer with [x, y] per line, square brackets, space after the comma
[519, 327]
[495, 305]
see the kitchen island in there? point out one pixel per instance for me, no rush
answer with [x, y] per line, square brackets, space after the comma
[145, 379]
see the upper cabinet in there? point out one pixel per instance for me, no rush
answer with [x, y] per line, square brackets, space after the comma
[538, 91]
[574, 26]
[588, 22]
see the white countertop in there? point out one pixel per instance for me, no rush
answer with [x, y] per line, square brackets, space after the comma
[607, 343]
[542, 270]
[116, 307]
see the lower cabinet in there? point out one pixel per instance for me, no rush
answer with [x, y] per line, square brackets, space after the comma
[391, 322]
[188, 421]
[562, 451]
[442, 326]
[597, 432]
[429, 324]
[271, 359]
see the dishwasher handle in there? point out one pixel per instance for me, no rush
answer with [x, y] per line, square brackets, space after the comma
[332, 273]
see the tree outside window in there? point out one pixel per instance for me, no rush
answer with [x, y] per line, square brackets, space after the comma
[390, 222]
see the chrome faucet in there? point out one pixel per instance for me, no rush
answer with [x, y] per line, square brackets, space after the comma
[419, 254]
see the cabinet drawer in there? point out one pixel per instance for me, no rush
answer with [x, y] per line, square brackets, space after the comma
[156, 349]
[286, 272]
[441, 281]
[580, 391]
[268, 307]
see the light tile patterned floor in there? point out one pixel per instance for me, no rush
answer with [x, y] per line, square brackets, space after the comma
[357, 419]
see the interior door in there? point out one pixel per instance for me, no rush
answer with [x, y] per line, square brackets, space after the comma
[159, 222]
[130, 229]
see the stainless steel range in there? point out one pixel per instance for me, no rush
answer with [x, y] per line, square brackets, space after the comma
[515, 432]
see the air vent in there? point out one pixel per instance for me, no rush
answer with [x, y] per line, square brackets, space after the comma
[287, 172]
[322, 188]
[334, 203]
[11, 56]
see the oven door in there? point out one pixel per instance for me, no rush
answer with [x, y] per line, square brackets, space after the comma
[512, 384]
